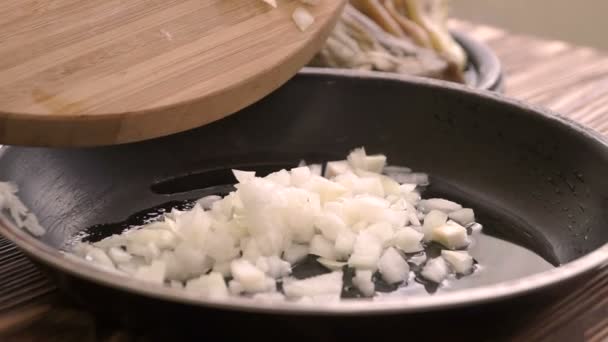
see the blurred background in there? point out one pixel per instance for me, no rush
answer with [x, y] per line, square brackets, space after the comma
[575, 21]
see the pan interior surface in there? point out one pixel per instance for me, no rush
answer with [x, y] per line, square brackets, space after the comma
[532, 181]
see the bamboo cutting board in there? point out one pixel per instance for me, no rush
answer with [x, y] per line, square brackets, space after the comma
[97, 72]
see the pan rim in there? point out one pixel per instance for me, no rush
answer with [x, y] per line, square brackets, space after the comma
[484, 294]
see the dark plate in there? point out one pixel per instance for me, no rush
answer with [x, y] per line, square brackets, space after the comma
[542, 176]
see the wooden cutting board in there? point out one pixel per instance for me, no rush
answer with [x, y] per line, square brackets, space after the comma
[97, 72]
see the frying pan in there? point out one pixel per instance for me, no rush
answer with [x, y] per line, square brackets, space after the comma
[532, 177]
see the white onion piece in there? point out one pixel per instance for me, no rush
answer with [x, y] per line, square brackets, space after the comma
[460, 261]
[393, 267]
[438, 204]
[383, 231]
[326, 284]
[463, 216]
[322, 247]
[119, 256]
[435, 270]
[330, 225]
[243, 176]
[207, 201]
[433, 219]
[250, 277]
[208, 286]
[273, 266]
[316, 169]
[358, 159]
[300, 175]
[154, 273]
[295, 253]
[345, 242]
[366, 251]
[452, 236]
[408, 240]
[222, 268]
[334, 168]
[363, 281]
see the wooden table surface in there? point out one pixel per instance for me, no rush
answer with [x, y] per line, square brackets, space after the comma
[569, 79]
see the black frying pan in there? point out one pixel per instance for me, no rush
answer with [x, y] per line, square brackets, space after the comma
[534, 179]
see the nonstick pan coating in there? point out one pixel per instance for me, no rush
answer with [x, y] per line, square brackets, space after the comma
[544, 176]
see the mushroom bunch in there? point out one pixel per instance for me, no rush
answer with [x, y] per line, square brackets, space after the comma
[401, 36]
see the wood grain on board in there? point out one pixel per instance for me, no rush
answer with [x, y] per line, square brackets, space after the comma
[568, 79]
[93, 72]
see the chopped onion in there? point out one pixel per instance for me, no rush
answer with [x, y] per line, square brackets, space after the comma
[432, 220]
[460, 261]
[463, 216]
[393, 267]
[435, 270]
[439, 204]
[253, 237]
[326, 284]
[363, 281]
[408, 240]
[452, 236]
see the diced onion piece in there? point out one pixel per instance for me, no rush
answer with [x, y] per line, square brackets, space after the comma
[435, 270]
[211, 286]
[161, 238]
[463, 216]
[366, 251]
[322, 247]
[358, 159]
[330, 225]
[300, 175]
[316, 169]
[295, 253]
[222, 268]
[327, 190]
[334, 168]
[438, 204]
[154, 273]
[325, 284]
[383, 231]
[97, 256]
[243, 176]
[393, 267]
[250, 277]
[235, 287]
[302, 18]
[408, 240]
[281, 177]
[460, 261]
[119, 256]
[452, 236]
[363, 281]
[207, 201]
[344, 244]
[331, 264]
[273, 266]
[432, 220]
